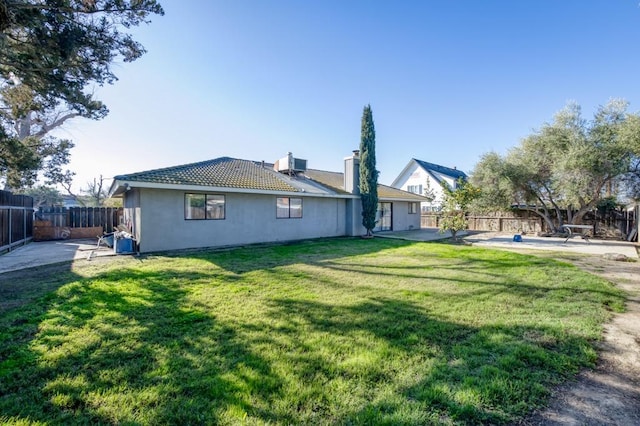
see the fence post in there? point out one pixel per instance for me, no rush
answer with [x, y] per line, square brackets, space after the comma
[24, 220]
[10, 227]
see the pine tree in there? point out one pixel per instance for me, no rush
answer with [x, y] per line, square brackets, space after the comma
[368, 172]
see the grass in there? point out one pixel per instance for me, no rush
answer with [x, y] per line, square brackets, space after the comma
[342, 331]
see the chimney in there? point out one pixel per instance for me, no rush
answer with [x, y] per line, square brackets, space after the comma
[352, 173]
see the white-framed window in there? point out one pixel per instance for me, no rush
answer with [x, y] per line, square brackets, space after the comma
[416, 189]
[204, 206]
[413, 208]
[288, 208]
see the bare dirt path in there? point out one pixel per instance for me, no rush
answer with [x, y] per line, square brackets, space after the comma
[610, 393]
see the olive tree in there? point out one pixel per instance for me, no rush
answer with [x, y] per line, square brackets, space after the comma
[568, 165]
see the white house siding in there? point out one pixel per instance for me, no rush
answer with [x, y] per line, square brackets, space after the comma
[415, 176]
[249, 218]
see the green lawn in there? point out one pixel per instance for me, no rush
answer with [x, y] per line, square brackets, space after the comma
[342, 331]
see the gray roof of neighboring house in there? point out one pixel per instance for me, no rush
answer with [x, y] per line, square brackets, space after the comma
[431, 167]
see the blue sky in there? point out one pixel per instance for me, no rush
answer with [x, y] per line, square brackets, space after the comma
[447, 80]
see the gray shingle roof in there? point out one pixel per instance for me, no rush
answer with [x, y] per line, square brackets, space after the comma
[222, 172]
[334, 180]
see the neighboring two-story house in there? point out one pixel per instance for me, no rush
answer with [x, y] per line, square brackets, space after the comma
[427, 179]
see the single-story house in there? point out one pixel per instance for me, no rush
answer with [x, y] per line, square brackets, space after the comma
[427, 179]
[228, 201]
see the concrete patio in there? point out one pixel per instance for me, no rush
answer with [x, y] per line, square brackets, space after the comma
[48, 252]
[503, 240]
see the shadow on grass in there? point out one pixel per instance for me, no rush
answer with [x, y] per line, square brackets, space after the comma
[102, 355]
[481, 266]
[140, 347]
[458, 373]
[478, 274]
[20, 287]
[265, 256]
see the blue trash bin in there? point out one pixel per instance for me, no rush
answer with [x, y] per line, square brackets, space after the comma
[123, 245]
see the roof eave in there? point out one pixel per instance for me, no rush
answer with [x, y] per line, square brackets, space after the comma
[119, 187]
[409, 200]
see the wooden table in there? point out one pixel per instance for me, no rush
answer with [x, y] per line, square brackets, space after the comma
[584, 236]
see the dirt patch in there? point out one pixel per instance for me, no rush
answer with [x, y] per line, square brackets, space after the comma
[610, 393]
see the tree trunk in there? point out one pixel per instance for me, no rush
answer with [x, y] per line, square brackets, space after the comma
[546, 217]
[577, 218]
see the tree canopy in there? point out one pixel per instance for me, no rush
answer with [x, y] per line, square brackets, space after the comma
[568, 165]
[59, 47]
[52, 54]
[368, 172]
[25, 144]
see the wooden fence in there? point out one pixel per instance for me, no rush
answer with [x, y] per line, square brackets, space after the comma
[524, 223]
[495, 223]
[52, 223]
[613, 225]
[16, 220]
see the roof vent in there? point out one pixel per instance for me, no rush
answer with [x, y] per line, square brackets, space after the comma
[290, 165]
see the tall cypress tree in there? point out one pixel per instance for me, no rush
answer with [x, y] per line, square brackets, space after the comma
[368, 172]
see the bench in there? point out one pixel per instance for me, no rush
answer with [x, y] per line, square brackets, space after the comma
[584, 236]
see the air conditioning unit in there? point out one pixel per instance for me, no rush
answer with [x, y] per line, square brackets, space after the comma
[289, 164]
[299, 165]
